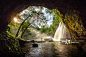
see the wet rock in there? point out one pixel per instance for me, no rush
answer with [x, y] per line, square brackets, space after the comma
[24, 53]
[28, 41]
[32, 41]
[46, 39]
[22, 42]
[34, 45]
[51, 40]
[79, 46]
[84, 47]
[8, 41]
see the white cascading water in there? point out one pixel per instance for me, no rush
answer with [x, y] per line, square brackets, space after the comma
[61, 33]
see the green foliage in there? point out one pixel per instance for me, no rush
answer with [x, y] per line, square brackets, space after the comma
[13, 27]
[27, 33]
[42, 29]
[29, 18]
[24, 25]
[57, 18]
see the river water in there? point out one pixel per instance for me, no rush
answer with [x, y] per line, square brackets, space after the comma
[52, 49]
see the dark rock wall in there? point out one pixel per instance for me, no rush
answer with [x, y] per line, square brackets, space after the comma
[9, 8]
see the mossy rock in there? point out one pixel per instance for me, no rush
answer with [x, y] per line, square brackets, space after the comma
[9, 45]
[21, 41]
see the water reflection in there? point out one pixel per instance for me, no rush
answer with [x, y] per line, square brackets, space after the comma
[61, 50]
[52, 49]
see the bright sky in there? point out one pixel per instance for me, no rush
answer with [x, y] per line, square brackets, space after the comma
[48, 16]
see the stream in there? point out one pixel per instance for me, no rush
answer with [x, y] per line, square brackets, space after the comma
[52, 49]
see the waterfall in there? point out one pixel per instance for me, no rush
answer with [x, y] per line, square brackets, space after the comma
[61, 33]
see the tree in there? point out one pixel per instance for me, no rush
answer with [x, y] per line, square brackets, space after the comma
[21, 25]
[34, 17]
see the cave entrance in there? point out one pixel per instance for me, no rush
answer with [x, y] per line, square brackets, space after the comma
[73, 13]
[39, 22]
[70, 10]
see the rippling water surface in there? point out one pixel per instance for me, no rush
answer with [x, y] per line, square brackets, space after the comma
[52, 49]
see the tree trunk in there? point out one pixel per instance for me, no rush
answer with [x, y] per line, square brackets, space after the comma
[26, 29]
[20, 26]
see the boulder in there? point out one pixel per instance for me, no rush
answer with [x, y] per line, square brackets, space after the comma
[34, 45]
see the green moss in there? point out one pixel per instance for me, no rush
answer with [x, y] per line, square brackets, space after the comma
[9, 45]
[21, 39]
[74, 24]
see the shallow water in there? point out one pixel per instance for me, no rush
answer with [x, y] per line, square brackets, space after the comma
[52, 49]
